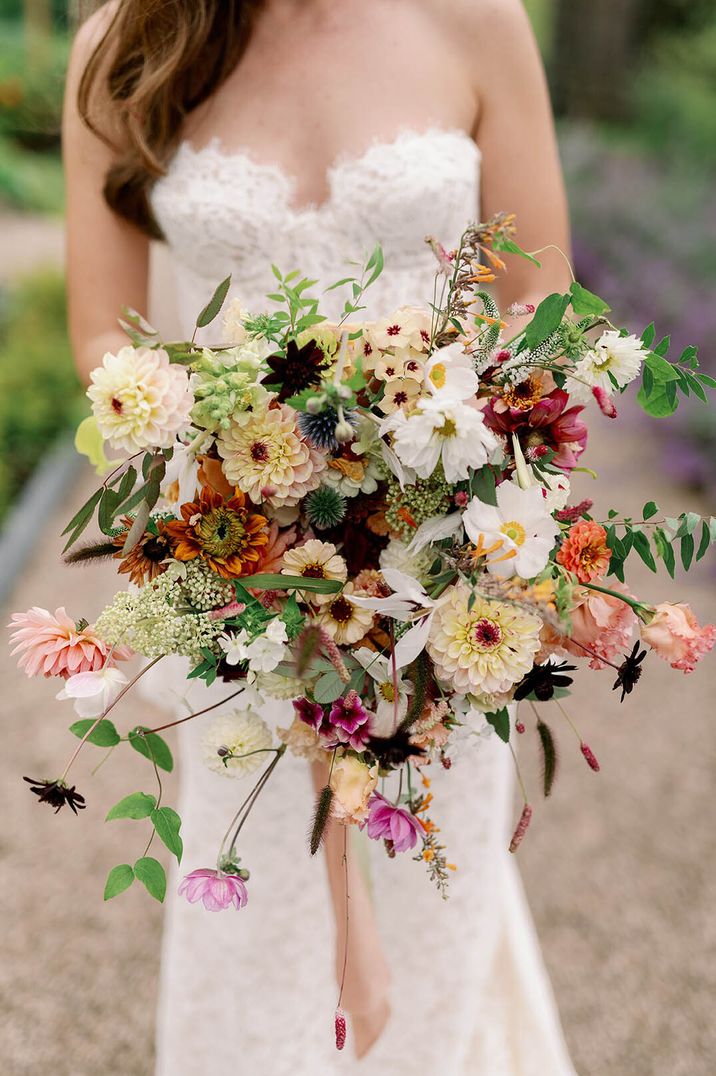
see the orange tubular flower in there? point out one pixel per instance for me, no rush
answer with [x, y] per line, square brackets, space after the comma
[223, 532]
[585, 551]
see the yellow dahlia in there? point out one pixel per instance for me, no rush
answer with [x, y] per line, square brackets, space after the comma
[315, 560]
[486, 648]
[265, 456]
[345, 621]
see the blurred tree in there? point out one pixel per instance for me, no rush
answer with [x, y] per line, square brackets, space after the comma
[38, 31]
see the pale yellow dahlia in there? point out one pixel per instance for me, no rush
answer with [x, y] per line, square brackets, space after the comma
[237, 743]
[485, 649]
[265, 456]
[343, 620]
[315, 560]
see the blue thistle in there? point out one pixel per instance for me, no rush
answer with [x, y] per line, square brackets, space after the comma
[325, 507]
[320, 429]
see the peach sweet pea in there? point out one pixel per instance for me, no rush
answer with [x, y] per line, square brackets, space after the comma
[674, 634]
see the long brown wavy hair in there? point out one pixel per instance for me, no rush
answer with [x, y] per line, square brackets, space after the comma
[156, 61]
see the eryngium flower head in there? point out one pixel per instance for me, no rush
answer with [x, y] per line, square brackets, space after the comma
[57, 794]
[325, 507]
[320, 429]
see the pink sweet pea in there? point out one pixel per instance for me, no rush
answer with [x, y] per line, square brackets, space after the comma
[394, 824]
[674, 634]
[215, 889]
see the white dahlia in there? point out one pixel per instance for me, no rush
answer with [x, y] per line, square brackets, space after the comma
[483, 649]
[613, 356]
[441, 429]
[139, 399]
[265, 456]
[517, 535]
[235, 744]
[397, 555]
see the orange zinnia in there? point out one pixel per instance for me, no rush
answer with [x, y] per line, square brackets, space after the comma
[585, 551]
[223, 532]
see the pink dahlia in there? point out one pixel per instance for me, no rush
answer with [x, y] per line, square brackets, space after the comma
[675, 635]
[53, 645]
[215, 889]
[394, 824]
[549, 422]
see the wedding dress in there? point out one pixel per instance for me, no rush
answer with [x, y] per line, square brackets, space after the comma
[255, 991]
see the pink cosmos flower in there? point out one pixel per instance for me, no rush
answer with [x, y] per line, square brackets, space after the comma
[215, 889]
[602, 626]
[394, 824]
[53, 645]
[674, 634]
[350, 720]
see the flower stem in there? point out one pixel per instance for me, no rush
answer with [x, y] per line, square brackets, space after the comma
[641, 610]
[198, 713]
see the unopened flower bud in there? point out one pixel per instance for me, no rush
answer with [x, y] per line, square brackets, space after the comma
[590, 757]
[520, 727]
[344, 432]
[314, 404]
[223, 751]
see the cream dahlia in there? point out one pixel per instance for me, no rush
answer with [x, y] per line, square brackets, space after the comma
[315, 560]
[615, 358]
[139, 399]
[235, 744]
[265, 456]
[486, 648]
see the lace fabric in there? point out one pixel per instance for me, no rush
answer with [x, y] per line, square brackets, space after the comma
[469, 994]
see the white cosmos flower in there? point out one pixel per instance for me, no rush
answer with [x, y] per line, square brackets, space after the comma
[450, 370]
[441, 429]
[387, 715]
[613, 356]
[517, 536]
[94, 691]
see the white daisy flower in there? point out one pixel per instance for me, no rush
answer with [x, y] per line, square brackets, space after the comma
[441, 430]
[450, 370]
[517, 535]
[613, 356]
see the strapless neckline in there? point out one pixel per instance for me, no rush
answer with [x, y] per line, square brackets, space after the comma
[243, 158]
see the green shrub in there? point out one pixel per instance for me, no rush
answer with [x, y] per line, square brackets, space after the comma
[31, 87]
[30, 181]
[40, 395]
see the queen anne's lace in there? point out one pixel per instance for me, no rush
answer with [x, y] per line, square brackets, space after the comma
[257, 990]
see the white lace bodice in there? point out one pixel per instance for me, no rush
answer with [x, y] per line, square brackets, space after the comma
[223, 212]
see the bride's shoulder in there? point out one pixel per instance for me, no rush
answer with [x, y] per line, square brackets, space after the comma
[88, 37]
[476, 22]
[91, 31]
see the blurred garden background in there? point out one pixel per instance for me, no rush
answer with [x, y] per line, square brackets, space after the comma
[620, 872]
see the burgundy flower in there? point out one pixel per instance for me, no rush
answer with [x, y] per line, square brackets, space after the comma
[350, 720]
[394, 824]
[550, 422]
[310, 713]
[214, 889]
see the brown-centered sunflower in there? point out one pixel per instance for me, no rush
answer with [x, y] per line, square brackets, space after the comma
[222, 531]
[146, 560]
[300, 368]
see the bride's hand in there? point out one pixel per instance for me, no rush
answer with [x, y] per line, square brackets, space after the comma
[367, 976]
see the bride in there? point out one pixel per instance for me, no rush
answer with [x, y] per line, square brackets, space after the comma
[299, 132]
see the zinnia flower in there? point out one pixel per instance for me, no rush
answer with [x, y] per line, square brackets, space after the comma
[224, 533]
[674, 634]
[353, 783]
[214, 889]
[234, 744]
[614, 358]
[395, 824]
[486, 647]
[315, 560]
[139, 399]
[517, 536]
[585, 551]
[53, 645]
[345, 621]
[265, 456]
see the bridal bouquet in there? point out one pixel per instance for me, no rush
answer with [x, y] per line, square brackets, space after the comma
[373, 522]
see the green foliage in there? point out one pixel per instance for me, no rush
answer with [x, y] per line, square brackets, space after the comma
[500, 722]
[118, 879]
[31, 87]
[136, 805]
[30, 181]
[151, 874]
[40, 395]
[668, 540]
[152, 747]
[105, 735]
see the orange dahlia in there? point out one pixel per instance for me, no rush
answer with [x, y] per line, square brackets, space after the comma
[222, 531]
[585, 551]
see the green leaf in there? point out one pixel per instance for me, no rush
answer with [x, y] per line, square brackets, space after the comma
[662, 348]
[650, 509]
[688, 522]
[665, 550]
[105, 735]
[483, 485]
[167, 824]
[214, 305]
[500, 722]
[547, 319]
[375, 263]
[647, 337]
[329, 687]
[270, 581]
[586, 302]
[137, 805]
[661, 401]
[79, 521]
[152, 747]
[707, 380]
[118, 879]
[661, 368]
[641, 545]
[107, 510]
[151, 874]
[687, 551]
[705, 541]
[508, 246]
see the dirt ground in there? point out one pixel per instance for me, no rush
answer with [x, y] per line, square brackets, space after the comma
[620, 867]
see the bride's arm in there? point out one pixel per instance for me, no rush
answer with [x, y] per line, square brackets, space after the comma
[515, 131]
[107, 258]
